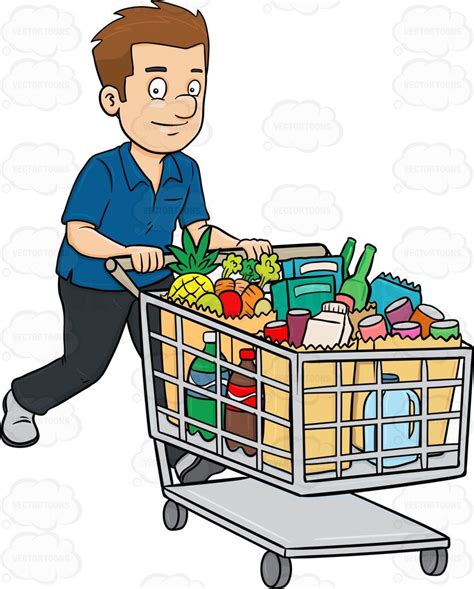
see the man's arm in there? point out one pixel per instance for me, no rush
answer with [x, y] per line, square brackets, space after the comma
[220, 239]
[85, 239]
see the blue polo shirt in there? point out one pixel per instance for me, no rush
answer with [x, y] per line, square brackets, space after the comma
[113, 194]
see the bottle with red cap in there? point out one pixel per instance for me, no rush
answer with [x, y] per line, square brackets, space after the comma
[242, 388]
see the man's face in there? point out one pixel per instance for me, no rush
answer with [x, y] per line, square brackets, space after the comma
[164, 106]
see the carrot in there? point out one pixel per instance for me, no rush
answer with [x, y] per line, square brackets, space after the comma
[224, 284]
[250, 297]
[241, 285]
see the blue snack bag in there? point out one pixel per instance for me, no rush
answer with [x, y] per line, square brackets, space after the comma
[387, 288]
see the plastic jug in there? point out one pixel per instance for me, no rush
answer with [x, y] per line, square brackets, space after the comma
[395, 403]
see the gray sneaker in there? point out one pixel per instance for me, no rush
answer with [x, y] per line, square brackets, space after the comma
[18, 425]
[193, 469]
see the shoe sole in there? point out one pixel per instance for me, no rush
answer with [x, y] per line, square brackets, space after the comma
[194, 468]
[6, 440]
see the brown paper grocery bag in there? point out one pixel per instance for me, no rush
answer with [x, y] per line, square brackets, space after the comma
[193, 336]
[439, 400]
[356, 316]
[317, 407]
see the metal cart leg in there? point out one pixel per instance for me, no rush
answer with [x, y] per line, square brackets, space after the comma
[164, 468]
[434, 561]
[275, 570]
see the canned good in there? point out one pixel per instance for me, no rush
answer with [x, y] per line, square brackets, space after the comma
[276, 331]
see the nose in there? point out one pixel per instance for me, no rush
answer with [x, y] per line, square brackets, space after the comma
[185, 106]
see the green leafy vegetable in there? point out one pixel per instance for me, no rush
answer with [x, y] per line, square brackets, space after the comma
[268, 269]
[231, 265]
[248, 271]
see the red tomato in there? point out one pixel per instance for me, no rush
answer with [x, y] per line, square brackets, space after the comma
[231, 303]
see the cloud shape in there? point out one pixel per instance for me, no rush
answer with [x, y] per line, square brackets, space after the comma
[144, 463]
[303, 125]
[302, 209]
[459, 567]
[35, 335]
[43, 30]
[60, 425]
[43, 84]
[435, 168]
[435, 252]
[170, 582]
[443, 504]
[44, 558]
[435, 30]
[305, 6]
[44, 504]
[33, 251]
[434, 84]
[44, 168]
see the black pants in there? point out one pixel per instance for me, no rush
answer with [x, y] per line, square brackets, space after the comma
[94, 321]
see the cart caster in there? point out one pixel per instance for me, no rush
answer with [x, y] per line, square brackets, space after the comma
[275, 570]
[434, 561]
[175, 516]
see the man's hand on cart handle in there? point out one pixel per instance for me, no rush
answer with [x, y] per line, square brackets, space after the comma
[254, 248]
[145, 258]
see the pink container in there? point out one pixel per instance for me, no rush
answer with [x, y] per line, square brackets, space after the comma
[372, 327]
[405, 329]
[347, 300]
[399, 311]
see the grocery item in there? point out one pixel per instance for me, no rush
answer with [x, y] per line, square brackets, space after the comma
[242, 388]
[372, 327]
[211, 302]
[250, 297]
[231, 303]
[425, 315]
[357, 286]
[240, 285]
[347, 253]
[330, 328]
[248, 271]
[409, 329]
[387, 288]
[347, 300]
[192, 266]
[263, 307]
[232, 264]
[276, 331]
[297, 321]
[302, 293]
[398, 311]
[202, 373]
[395, 403]
[317, 266]
[445, 329]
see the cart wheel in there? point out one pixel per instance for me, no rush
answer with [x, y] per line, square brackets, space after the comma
[275, 570]
[175, 516]
[434, 561]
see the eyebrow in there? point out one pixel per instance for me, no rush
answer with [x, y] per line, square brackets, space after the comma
[196, 70]
[156, 68]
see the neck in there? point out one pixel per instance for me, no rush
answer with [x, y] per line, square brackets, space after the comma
[143, 155]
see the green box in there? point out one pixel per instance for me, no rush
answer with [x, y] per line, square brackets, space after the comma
[302, 293]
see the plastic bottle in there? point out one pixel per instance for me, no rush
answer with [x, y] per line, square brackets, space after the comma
[357, 286]
[203, 373]
[347, 253]
[242, 388]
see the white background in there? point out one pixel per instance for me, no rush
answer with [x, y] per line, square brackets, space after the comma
[97, 520]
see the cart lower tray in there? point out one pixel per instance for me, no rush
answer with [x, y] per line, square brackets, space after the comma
[294, 526]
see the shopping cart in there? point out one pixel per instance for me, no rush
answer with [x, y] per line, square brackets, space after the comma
[315, 443]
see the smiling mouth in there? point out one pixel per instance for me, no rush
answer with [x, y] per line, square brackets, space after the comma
[169, 124]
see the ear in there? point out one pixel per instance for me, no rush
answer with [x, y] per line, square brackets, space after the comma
[110, 100]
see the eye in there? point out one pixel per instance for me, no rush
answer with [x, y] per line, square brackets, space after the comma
[157, 88]
[194, 88]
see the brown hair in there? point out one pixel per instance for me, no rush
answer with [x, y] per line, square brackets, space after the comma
[164, 24]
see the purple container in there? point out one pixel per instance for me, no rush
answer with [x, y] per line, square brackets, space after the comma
[409, 329]
[297, 320]
[399, 311]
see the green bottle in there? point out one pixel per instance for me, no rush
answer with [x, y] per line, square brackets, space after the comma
[203, 373]
[357, 286]
[347, 253]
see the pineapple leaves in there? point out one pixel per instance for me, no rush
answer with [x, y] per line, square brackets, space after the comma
[188, 243]
[203, 244]
[179, 254]
[191, 258]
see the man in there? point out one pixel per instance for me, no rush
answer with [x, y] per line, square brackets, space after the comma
[152, 64]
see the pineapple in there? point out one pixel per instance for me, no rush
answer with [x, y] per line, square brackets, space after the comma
[193, 264]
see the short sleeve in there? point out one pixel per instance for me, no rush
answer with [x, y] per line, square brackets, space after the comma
[90, 194]
[194, 208]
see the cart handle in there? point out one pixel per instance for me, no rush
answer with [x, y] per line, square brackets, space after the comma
[118, 267]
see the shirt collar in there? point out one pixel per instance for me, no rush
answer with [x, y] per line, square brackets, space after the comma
[134, 174]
